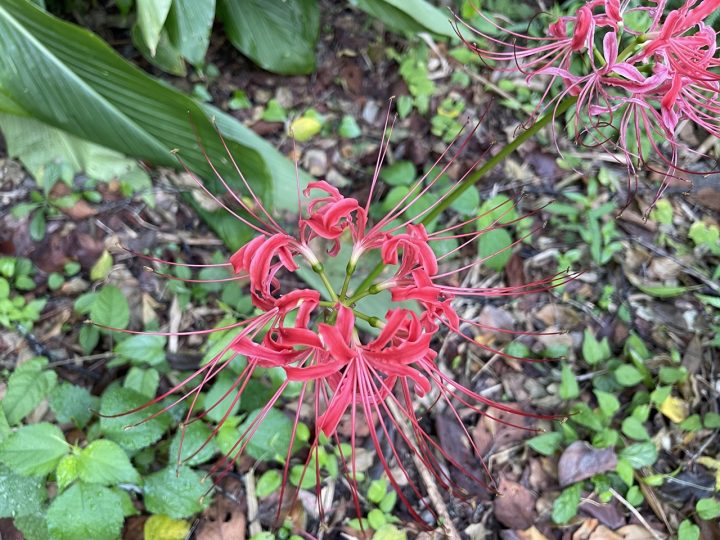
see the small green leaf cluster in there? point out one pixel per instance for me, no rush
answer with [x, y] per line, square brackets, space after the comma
[379, 519]
[15, 279]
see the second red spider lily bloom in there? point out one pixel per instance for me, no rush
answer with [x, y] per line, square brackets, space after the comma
[630, 84]
[353, 365]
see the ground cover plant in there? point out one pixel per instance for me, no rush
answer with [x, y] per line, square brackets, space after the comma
[205, 343]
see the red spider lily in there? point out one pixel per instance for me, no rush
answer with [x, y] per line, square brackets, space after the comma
[314, 336]
[631, 87]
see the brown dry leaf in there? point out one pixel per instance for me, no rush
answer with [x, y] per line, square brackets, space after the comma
[638, 532]
[580, 461]
[557, 315]
[490, 434]
[585, 530]
[603, 533]
[515, 505]
[224, 520]
[531, 534]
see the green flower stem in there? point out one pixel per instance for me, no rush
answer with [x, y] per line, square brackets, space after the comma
[471, 179]
[323, 276]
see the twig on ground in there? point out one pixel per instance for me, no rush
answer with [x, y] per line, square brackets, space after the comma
[635, 513]
[427, 478]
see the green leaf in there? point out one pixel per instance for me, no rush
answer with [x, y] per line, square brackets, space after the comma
[166, 56]
[33, 526]
[569, 388]
[272, 436]
[627, 375]
[349, 128]
[671, 375]
[110, 308]
[102, 266]
[104, 462]
[37, 144]
[387, 531]
[400, 173]
[189, 24]
[177, 493]
[708, 508]
[66, 472]
[216, 405]
[143, 349]
[711, 420]
[196, 435]
[72, 403]
[377, 490]
[37, 226]
[546, 444]
[131, 431]
[85, 511]
[493, 247]
[640, 454]
[34, 450]
[279, 37]
[305, 128]
[595, 351]
[688, 531]
[151, 19]
[408, 16]
[376, 518]
[20, 495]
[27, 386]
[143, 381]
[88, 338]
[634, 428]
[566, 505]
[608, 403]
[74, 81]
[268, 483]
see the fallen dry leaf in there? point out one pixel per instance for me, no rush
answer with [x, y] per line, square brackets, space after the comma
[580, 461]
[675, 409]
[603, 533]
[515, 505]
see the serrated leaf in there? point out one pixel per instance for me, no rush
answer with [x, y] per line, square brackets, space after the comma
[640, 454]
[34, 450]
[66, 472]
[104, 462]
[20, 495]
[272, 436]
[110, 308]
[72, 403]
[177, 493]
[196, 435]
[143, 349]
[160, 527]
[143, 381]
[131, 431]
[218, 406]
[279, 37]
[28, 385]
[85, 511]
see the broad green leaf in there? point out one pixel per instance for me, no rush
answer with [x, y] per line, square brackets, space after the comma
[67, 471]
[20, 495]
[218, 406]
[387, 531]
[166, 57]
[160, 527]
[37, 144]
[634, 428]
[566, 505]
[640, 455]
[34, 450]
[608, 403]
[33, 526]
[85, 511]
[110, 308]
[189, 24]
[546, 444]
[409, 16]
[708, 508]
[197, 435]
[177, 493]
[569, 388]
[628, 375]
[269, 438]
[143, 349]
[104, 462]
[277, 36]
[494, 248]
[400, 173]
[269, 482]
[143, 381]
[27, 386]
[72, 403]
[151, 19]
[377, 490]
[595, 351]
[688, 531]
[72, 80]
[134, 430]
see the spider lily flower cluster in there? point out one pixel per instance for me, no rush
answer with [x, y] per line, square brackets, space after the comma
[632, 72]
[350, 364]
